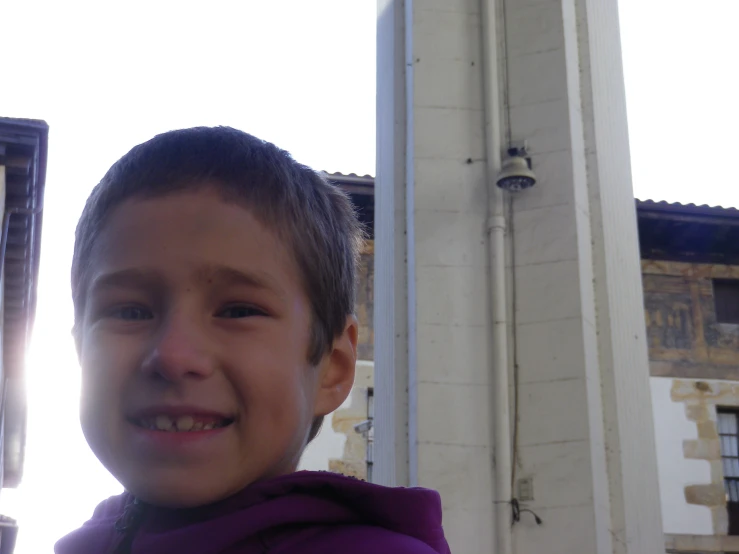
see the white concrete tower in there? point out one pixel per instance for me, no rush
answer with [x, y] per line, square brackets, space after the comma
[458, 81]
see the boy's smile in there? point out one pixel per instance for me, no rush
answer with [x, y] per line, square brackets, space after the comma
[194, 348]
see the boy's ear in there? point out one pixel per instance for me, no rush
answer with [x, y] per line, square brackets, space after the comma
[337, 370]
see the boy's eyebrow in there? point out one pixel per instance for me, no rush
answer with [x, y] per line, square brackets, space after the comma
[231, 276]
[222, 275]
[126, 277]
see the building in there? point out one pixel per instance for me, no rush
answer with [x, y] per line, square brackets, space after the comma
[690, 266]
[23, 149]
[690, 271]
[339, 447]
[468, 277]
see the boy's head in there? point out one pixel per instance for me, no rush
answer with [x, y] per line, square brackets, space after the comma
[213, 284]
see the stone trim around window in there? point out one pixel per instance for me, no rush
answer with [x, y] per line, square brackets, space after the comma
[701, 543]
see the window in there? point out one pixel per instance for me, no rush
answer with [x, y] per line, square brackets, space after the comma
[726, 296]
[371, 432]
[728, 430]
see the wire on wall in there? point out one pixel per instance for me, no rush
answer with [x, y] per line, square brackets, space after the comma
[514, 334]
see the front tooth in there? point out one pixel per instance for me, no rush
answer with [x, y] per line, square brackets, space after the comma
[163, 423]
[197, 426]
[185, 423]
[208, 426]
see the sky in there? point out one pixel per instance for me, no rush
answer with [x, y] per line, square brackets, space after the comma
[108, 75]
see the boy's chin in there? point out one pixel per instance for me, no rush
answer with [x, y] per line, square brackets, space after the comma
[182, 495]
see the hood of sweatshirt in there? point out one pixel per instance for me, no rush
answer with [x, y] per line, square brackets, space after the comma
[313, 511]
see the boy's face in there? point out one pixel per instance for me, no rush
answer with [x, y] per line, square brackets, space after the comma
[193, 346]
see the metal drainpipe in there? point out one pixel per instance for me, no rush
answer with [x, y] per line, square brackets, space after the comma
[496, 228]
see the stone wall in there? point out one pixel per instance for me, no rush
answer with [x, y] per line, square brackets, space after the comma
[685, 341]
[701, 399]
[701, 358]
[365, 302]
[353, 460]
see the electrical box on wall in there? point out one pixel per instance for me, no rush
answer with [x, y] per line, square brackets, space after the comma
[526, 489]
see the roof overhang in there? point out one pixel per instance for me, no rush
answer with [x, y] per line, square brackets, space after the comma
[361, 189]
[688, 233]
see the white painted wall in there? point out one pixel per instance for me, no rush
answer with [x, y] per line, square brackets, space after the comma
[328, 444]
[671, 428]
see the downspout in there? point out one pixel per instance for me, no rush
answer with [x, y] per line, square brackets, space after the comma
[496, 229]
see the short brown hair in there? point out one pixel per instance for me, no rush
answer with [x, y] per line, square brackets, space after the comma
[314, 217]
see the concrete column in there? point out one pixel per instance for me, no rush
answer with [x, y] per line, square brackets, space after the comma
[431, 279]
[584, 431]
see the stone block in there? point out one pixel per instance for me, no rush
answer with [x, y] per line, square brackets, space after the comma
[706, 495]
[546, 234]
[450, 239]
[452, 296]
[453, 414]
[451, 185]
[449, 133]
[454, 354]
[549, 352]
[461, 474]
[446, 35]
[707, 430]
[448, 83]
[697, 413]
[553, 412]
[553, 292]
[537, 77]
[561, 473]
[702, 449]
[546, 127]
[534, 29]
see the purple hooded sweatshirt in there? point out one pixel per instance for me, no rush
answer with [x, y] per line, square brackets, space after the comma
[305, 513]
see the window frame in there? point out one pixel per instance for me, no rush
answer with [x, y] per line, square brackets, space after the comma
[370, 439]
[725, 290]
[730, 481]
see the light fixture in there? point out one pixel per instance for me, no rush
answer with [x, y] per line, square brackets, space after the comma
[516, 174]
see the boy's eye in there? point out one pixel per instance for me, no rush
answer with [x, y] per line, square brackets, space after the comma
[132, 313]
[239, 311]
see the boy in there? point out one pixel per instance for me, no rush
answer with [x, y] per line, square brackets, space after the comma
[213, 285]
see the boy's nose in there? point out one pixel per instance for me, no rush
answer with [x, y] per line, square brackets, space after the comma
[178, 352]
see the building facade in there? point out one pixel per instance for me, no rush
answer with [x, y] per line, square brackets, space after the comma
[23, 148]
[690, 266]
[690, 275]
[470, 276]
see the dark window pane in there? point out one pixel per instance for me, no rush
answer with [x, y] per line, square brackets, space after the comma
[726, 297]
[733, 511]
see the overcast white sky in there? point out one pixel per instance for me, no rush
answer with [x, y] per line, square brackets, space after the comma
[108, 75]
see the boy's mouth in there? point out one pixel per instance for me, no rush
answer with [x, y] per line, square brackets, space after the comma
[182, 423]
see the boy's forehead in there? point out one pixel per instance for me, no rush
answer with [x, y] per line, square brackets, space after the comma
[222, 241]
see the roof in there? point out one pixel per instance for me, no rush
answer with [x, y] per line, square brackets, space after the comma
[23, 150]
[361, 189]
[687, 232]
[689, 209]
[667, 231]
